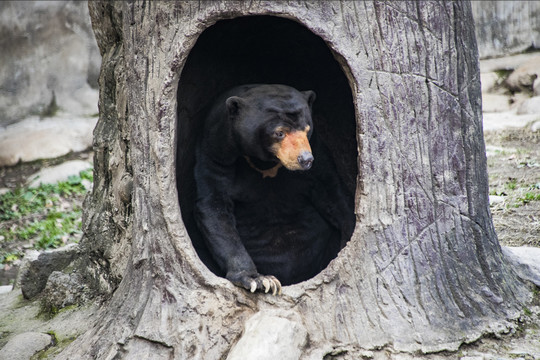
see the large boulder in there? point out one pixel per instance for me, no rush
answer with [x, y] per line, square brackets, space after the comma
[36, 268]
[58, 173]
[48, 51]
[33, 139]
[523, 78]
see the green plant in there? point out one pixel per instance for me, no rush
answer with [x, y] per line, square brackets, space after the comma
[40, 215]
[20, 202]
[511, 184]
[23, 201]
[529, 196]
[8, 257]
[56, 228]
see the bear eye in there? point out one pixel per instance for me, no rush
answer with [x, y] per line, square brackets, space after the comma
[279, 134]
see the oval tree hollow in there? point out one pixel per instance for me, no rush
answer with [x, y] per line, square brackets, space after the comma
[265, 50]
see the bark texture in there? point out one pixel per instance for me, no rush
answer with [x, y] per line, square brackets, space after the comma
[423, 270]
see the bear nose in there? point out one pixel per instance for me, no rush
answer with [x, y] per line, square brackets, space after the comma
[305, 159]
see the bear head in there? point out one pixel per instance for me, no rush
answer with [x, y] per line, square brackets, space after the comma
[273, 123]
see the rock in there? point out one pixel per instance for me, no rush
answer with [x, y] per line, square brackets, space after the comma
[535, 126]
[494, 199]
[504, 27]
[47, 47]
[63, 290]
[526, 262]
[508, 63]
[488, 81]
[505, 120]
[517, 99]
[25, 345]
[524, 76]
[270, 337]
[495, 103]
[5, 289]
[30, 257]
[34, 139]
[36, 268]
[530, 106]
[55, 174]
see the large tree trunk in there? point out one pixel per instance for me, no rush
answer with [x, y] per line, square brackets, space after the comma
[423, 269]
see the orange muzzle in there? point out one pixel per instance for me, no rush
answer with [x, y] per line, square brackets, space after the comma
[294, 150]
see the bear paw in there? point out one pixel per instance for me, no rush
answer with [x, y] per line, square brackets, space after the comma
[256, 282]
[268, 282]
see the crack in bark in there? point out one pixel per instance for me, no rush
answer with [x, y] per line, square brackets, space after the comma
[153, 341]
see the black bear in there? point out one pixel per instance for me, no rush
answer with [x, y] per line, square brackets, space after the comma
[269, 204]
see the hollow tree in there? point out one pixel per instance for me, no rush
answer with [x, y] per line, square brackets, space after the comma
[399, 105]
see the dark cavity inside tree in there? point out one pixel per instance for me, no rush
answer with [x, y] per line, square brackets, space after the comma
[261, 50]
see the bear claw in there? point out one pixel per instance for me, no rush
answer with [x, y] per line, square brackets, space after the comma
[266, 283]
[253, 286]
[275, 285]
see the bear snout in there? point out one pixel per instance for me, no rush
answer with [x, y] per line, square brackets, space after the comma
[294, 151]
[305, 159]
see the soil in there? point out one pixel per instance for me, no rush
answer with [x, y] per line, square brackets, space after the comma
[514, 177]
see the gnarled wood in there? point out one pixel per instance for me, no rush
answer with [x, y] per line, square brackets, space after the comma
[423, 270]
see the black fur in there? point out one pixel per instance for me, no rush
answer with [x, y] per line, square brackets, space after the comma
[290, 225]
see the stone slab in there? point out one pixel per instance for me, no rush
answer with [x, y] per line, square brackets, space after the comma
[507, 119]
[34, 138]
[24, 346]
[525, 260]
[55, 174]
[270, 337]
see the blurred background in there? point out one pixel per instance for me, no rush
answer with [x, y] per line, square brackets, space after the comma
[49, 71]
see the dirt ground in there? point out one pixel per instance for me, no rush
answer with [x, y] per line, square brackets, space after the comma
[514, 183]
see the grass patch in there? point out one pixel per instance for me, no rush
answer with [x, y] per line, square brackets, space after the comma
[511, 184]
[528, 197]
[52, 231]
[44, 215]
[23, 201]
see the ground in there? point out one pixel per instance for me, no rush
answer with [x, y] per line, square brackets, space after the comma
[41, 218]
[514, 183]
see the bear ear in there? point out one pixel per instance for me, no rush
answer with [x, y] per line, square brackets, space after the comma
[310, 97]
[234, 105]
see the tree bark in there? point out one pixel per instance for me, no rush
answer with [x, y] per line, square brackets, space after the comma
[423, 269]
